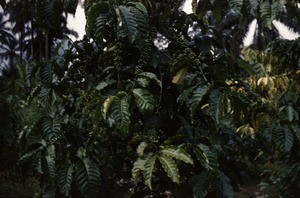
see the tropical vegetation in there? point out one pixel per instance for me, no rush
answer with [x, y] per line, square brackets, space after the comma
[152, 102]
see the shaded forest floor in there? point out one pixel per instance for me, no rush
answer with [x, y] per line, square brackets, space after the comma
[13, 184]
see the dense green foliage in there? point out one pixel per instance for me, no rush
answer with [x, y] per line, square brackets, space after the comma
[113, 115]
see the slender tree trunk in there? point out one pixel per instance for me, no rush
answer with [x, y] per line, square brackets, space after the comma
[22, 26]
[47, 46]
[40, 40]
[32, 39]
[260, 36]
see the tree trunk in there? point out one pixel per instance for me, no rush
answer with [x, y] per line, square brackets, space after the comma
[32, 40]
[47, 49]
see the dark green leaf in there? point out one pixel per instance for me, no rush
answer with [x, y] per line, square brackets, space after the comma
[170, 168]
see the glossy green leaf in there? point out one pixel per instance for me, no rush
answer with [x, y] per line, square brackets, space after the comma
[51, 168]
[120, 114]
[200, 185]
[207, 158]
[151, 76]
[87, 176]
[225, 185]
[147, 172]
[51, 127]
[145, 100]
[170, 168]
[107, 105]
[128, 22]
[236, 5]
[284, 138]
[176, 152]
[144, 165]
[197, 97]
[140, 149]
[216, 104]
[65, 177]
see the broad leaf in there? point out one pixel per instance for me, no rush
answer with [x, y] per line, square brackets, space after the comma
[147, 172]
[97, 17]
[46, 74]
[140, 6]
[120, 114]
[151, 76]
[183, 97]
[296, 130]
[87, 176]
[142, 23]
[51, 127]
[207, 158]
[200, 185]
[225, 186]
[270, 11]
[145, 100]
[33, 150]
[292, 114]
[180, 75]
[216, 103]
[107, 105]
[170, 168]
[138, 167]
[99, 26]
[140, 149]
[65, 176]
[177, 152]
[236, 5]
[51, 168]
[284, 138]
[128, 22]
[144, 165]
[197, 98]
